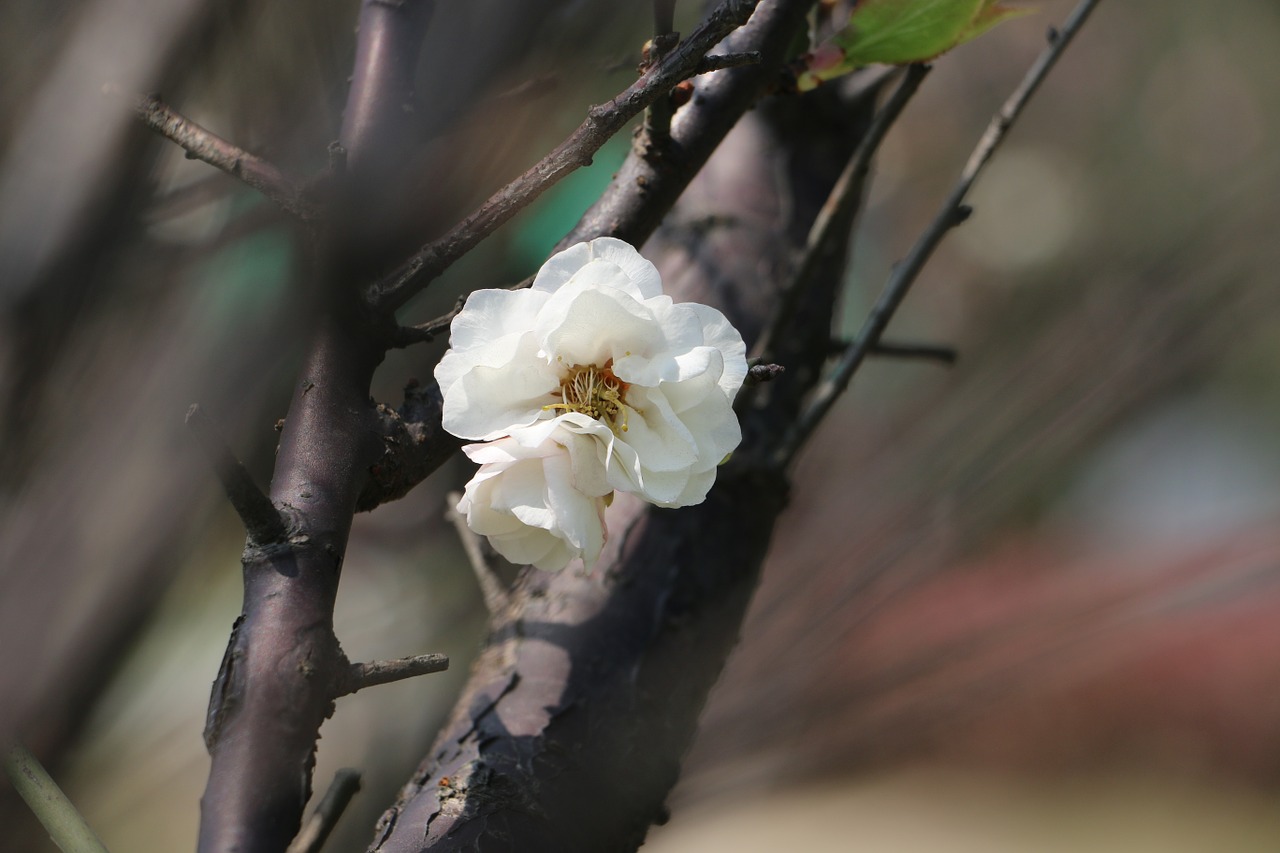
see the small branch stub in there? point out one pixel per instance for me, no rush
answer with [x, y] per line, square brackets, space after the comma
[362, 675]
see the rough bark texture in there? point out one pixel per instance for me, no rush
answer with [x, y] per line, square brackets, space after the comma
[571, 730]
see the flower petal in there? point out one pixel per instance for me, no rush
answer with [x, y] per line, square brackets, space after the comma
[491, 314]
[641, 276]
[584, 323]
[656, 433]
[482, 402]
[718, 332]
[526, 499]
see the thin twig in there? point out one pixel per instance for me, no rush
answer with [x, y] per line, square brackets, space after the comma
[362, 675]
[951, 214]
[346, 782]
[932, 352]
[262, 521]
[496, 597]
[602, 123]
[208, 147]
[834, 217]
[657, 118]
[664, 16]
[65, 825]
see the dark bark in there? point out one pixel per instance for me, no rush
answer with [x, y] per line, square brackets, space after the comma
[570, 733]
[284, 666]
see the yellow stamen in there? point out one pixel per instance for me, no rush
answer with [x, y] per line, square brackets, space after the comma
[595, 392]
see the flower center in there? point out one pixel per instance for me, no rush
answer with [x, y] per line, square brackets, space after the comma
[595, 392]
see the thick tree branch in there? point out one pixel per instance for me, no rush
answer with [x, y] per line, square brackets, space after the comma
[601, 671]
[952, 213]
[601, 124]
[284, 666]
[208, 147]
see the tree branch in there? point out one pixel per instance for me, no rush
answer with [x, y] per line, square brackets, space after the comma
[284, 666]
[601, 124]
[414, 445]
[207, 147]
[592, 672]
[721, 61]
[951, 214]
[345, 785]
[837, 215]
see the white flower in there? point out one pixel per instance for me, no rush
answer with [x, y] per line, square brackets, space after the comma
[596, 347]
[538, 497]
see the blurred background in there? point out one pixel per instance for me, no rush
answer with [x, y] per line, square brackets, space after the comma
[1028, 602]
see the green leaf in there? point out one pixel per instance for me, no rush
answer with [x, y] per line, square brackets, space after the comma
[898, 32]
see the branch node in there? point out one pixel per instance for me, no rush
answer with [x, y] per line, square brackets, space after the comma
[262, 521]
[362, 675]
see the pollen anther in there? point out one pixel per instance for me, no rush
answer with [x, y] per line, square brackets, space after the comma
[595, 392]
